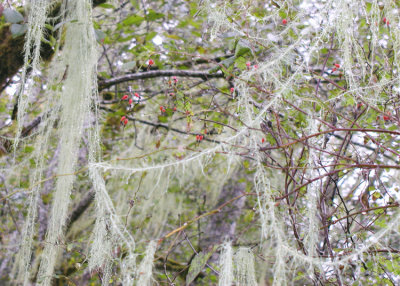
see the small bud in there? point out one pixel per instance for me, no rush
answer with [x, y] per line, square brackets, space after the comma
[125, 97]
[284, 21]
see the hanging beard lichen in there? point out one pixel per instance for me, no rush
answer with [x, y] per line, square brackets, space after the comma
[79, 55]
[146, 266]
[226, 265]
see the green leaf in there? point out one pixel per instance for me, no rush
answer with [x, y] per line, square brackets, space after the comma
[241, 63]
[150, 36]
[242, 48]
[153, 15]
[228, 62]
[12, 16]
[133, 20]
[197, 264]
[107, 6]
[18, 29]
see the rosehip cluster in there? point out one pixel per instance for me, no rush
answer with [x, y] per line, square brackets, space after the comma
[385, 21]
[337, 66]
[199, 138]
[124, 121]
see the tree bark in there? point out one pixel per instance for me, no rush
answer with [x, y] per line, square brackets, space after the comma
[12, 49]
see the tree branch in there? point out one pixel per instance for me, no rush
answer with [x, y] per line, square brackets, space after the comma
[158, 73]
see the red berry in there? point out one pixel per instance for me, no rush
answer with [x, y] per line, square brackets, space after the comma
[384, 20]
[197, 137]
[248, 64]
[232, 89]
[201, 137]
[136, 94]
[256, 66]
[174, 108]
[284, 21]
[385, 117]
[130, 100]
[337, 65]
[125, 121]
[387, 22]
[175, 79]
[123, 118]
[359, 105]
[151, 62]
[263, 140]
[125, 97]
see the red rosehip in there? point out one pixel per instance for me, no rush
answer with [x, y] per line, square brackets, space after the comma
[125, 97]
[151, 62]
[137, 94]
[384, 20]
[130, 100]
[385, 117]
[232, 89]
[248, 64]
[201, 137]
[337, 65]
[334, 69]
[263, 140]
[125, 121]
[174, 109]
[123, 118]
[284, 21]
